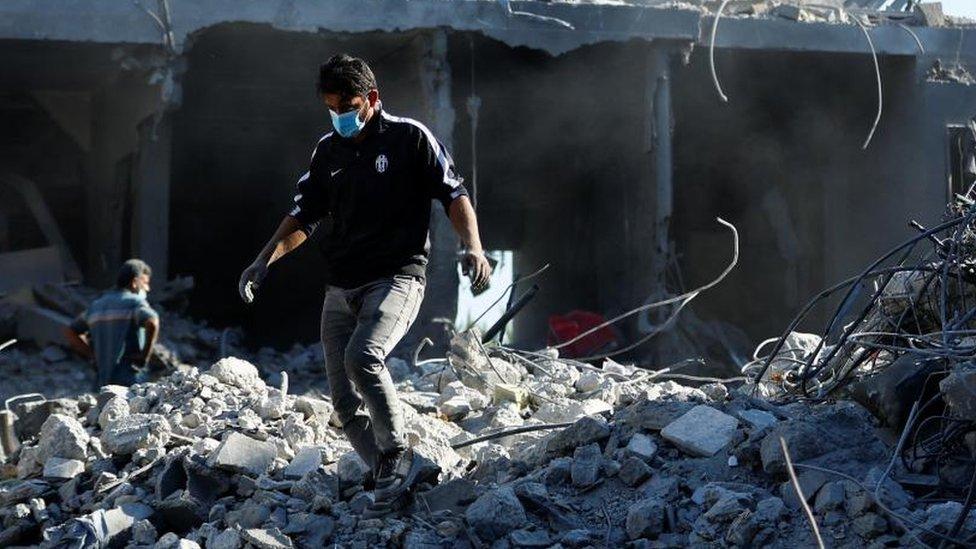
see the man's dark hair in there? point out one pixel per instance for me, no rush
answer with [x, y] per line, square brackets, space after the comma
[130, 270]
[346, 75]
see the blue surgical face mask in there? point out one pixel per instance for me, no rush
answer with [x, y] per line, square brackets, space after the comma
[347, 124]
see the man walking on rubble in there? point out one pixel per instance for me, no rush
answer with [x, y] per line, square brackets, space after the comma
[368, 194]
[119, 329]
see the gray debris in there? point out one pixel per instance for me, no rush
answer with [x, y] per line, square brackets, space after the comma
[237, 372]
[586, 430]
[352, 470]
[134, 432]
[652, 415]
[270, 538]
[495, 513]
[633, 471]
[144, 533]
[227, 539]
[702, 431]
[64, 437]
[758, 419]
[306, 460]
[645, 519]
[587, 460]
[60, 468]
[830, 497]
[116, 408]
[641, 446]
[243, 454]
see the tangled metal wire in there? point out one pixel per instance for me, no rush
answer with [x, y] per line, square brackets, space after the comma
[919, 298]
[916, 302]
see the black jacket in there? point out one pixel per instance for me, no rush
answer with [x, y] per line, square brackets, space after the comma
[369, 202]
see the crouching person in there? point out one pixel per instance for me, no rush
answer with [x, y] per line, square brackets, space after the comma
[119, 329]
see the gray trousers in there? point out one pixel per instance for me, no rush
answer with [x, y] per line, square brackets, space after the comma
[360, 326]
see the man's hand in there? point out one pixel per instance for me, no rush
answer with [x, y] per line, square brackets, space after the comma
[251, 280]
[478, 269]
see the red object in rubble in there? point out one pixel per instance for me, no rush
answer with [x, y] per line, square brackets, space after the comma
[566, 327]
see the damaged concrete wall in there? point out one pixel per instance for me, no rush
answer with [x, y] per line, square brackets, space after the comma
[72, 113]
[783, 160]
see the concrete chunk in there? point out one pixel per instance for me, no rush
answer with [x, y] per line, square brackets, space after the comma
[495, 514]
[63, 437]
[585, 470]
[633, 471]
[237, 372]
[641, 446]
[116, 408]
[307, 459]
[586, 430]
[702, 431]
[61, 468]
[270, 538]
[645, 519]
[243, 454]
[31, 415]
[129, 433]
[959, 391]
[758, 419]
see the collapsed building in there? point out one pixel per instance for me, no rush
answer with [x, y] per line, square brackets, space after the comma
[172, 142]
[602, 139]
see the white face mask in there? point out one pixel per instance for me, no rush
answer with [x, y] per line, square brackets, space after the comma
[142, 293]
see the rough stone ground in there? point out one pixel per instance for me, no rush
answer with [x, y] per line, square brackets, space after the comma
[217, 457]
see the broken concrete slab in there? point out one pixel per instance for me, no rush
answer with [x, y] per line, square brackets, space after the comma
[242, 454]
[633, 471]
[804, 440]
[454, 495]
[495, 514]
[116, 408]
[134, 432]
[652, 415]
[586, 430]
[809, 481]
[266, 538]
[702, 431]
[307, 459]
[62, 436]
[645, 519]
[641, 446]
[587, 461]
[60, 468]
[758, 419]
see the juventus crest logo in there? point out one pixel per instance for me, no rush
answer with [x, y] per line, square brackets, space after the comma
[381, 163]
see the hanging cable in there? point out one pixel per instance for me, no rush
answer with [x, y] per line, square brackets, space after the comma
[688, 296]
[711, 52]
[877, 73]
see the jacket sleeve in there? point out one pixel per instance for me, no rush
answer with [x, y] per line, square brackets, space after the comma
[437, 170]
[311, 200]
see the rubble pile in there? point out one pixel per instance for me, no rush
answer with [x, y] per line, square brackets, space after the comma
[39, 364]
[901, 343]
[534, 451]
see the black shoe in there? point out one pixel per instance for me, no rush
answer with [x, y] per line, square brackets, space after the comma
[396, 480]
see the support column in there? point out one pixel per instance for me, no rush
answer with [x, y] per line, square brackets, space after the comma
[106, 195]
[150, 220]
[117, 111]
[663, 169]
[442, 278]
[659, 196]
